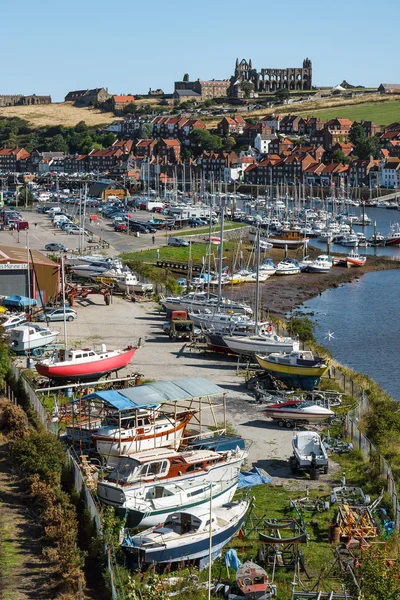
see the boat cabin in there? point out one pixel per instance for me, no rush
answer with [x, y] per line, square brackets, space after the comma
[186, 522]
[161, 463]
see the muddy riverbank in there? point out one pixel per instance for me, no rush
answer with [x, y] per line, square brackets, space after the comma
[279, 295]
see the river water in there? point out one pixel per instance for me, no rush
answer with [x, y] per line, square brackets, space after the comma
[364, 319]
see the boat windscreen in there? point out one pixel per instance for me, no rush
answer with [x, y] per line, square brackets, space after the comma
[124, 471]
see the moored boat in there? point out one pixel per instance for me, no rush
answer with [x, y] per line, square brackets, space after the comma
[263, 343]
[322, 264]
[355, 260]
[299, 368]
[288, 266]
[25, 338]
[291, 239]
[155, 503]
[135, 433]
[188, 535]
[84, 364]
[298, 411]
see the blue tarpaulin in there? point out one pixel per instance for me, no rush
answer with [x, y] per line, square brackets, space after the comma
[252, 478]
[19, 301]
[152, 394]
[231, 560]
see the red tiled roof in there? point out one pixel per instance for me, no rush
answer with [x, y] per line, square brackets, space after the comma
[123, 99]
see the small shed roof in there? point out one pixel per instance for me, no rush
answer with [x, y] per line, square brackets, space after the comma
[14, 254]
[156, 393]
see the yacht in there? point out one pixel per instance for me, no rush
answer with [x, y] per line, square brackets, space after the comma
[322, 264]
[288, 266]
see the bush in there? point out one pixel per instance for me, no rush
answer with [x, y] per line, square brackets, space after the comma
[303, 328]
[13, 421]
[40, 453]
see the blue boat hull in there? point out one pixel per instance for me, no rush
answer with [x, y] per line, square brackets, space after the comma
[197, 549]
[304, 382]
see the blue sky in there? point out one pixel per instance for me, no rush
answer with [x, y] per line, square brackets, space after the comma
[51, 47]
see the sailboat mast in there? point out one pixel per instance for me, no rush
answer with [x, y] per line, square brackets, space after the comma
[221, 244]
[63, 298]
[257, 301]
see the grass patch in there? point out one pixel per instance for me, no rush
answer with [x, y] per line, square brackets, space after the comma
[382, 113]
[214, 230]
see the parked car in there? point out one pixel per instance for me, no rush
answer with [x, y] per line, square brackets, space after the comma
[54, 247]
[177, 241]
[120, 227]
[196, 222]
[58, 315]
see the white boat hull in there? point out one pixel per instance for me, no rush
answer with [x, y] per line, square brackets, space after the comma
[250, 345]
[151, 514]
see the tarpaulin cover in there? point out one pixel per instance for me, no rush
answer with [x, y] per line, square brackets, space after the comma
[232, 560]
[19, 301]
[252, 478]
[152, 394]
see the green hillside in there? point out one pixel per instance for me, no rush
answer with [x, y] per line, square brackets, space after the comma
[382, 113]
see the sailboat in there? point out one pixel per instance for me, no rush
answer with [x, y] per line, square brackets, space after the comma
[268, 342]
[84, 364]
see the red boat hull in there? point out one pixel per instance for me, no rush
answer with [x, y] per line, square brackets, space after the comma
[86, 371]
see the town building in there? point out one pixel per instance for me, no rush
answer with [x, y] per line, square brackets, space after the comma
[40, 279]
[270, 79]
[14, 160]
[389, 173]
[205, 89]
[88, 97]
[213, 164]
[389, 88]
[20, 99]
[262, 142]
[232, 125]
[169, 150]
[118, 103]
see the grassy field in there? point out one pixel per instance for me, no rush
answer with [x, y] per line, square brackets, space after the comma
[382, 113]
[215, 229]
[62, 113]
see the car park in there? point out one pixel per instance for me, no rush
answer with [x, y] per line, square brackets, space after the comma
[58, 315]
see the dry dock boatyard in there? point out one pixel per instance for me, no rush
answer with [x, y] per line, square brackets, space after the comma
[234, 474]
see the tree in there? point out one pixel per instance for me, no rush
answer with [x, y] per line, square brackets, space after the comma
[356, 134]
[108, 139]
[207, 103]
[25, 196]
[247, 88]
[340, 157]
[130, 109]
[215, 143]
[186, 154]
[282, 94]
[229, 143]
[369, 147]
[146, 131]
[81, 127]
[59, 144]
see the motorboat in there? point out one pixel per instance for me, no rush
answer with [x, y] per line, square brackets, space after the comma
[10, 321]
[288, 266]
[26, 338]
[261, 343]
[297, 411]
[84, 363]
[291, 239]
[130, 283]
[88, 271]
[130, 474]
[187, 535]
[350, 240]
[299, 368]
[252, 581]
[393, 237]
[268, 266]
[322, 264]
[309, 453]
[252, 277]
[355, 260]
[135, 433]
[154, 503]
